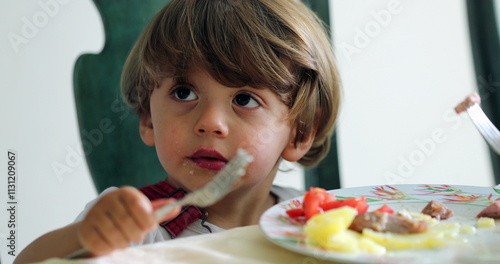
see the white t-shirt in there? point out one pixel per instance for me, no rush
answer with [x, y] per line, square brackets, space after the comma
[195, 228]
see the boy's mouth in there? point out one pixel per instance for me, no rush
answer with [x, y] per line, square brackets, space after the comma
[208, 159]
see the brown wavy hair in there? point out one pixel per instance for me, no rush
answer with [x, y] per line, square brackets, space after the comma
[278, 44]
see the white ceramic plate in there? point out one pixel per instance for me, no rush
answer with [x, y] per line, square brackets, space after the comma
[465, 201]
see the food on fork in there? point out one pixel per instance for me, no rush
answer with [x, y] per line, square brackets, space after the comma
[474, 98]
[437, 210]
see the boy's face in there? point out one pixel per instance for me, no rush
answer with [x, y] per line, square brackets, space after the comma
[198, 126]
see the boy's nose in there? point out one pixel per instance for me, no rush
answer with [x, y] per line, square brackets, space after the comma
[212, 122]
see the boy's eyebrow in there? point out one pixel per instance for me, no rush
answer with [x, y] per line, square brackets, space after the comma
[180, 80]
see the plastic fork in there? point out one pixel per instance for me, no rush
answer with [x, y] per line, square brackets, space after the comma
[207, 195]
[489, 132]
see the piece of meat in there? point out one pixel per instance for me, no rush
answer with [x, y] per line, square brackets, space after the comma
[385, 222]
[492, 211]
[437, 210]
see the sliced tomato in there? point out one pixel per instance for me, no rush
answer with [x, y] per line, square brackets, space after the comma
[317, 200]
[330, 197]
[358, 203]
[313, 199]
[295, 213]
[333, 204]
[362, 205]
[385, 209]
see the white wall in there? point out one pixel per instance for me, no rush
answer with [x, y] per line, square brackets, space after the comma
[398, 89]
[39, 43]
[405, 64]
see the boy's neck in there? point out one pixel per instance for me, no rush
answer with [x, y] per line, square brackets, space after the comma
[242, 211]
[244, 206]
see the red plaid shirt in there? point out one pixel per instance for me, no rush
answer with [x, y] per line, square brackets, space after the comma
[188, 215]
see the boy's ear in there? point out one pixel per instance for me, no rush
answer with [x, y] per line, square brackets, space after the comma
[146, 130]
[295, 151]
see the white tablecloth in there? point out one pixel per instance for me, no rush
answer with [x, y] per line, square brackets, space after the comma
[245, 245]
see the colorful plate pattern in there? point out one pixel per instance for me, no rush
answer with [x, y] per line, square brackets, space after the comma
[465, 201]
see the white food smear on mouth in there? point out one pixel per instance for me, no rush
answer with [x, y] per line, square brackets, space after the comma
[191, 172]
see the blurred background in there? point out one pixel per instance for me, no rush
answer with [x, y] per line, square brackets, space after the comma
[404, 66]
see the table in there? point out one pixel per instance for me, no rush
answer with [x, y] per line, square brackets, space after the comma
[243, 245]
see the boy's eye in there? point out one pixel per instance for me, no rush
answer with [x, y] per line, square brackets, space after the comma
[245, 100]
[184, 94]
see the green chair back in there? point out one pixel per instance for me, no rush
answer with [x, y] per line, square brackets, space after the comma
[114, 152]
[485, 40]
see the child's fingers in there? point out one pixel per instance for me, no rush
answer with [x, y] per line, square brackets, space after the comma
[139, 208]
[475, 98]
[117, 219]
[98, 234]
[111, 232]
[161, 202]
[123, 220]
[91, 239]
[460, 108]
[469, 101]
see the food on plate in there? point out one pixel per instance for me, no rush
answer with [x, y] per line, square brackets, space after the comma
[330, 231]
[385, 209]
[386, 222]
[371, 236]
[468, 230]
[437, 210]
[313, 201]
[492, 211]
[483, 222]
[358, 203]
[437, 235]
[318, 200]
[320, 227]
[346, 225]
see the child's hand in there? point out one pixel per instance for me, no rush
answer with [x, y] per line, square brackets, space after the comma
[470, 100]
[119, 218]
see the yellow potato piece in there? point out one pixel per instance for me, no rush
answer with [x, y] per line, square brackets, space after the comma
[320, 227]
[345, 241]
[329, 231]
[349, 241]
[485, 222]
[445, 230]
[392, 241]
[369, 246]
[468, 230]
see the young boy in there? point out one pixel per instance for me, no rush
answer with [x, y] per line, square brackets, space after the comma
[207, 77]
